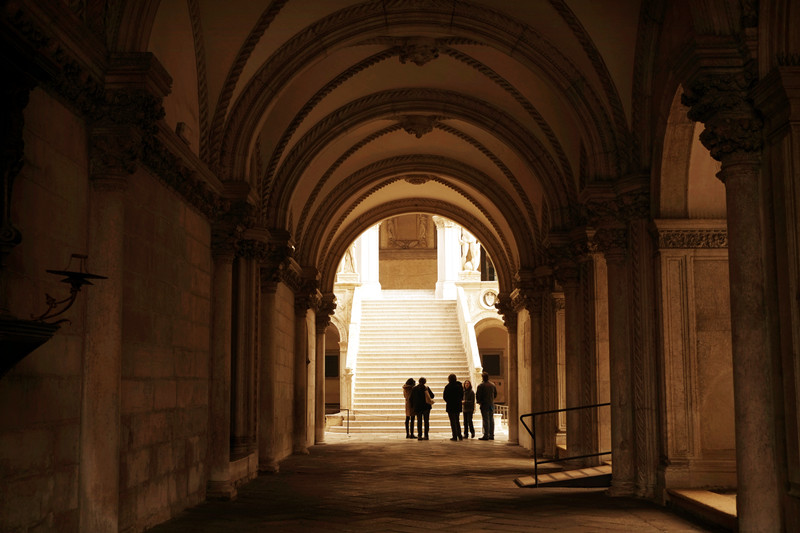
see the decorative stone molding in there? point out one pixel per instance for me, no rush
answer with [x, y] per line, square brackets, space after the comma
[692, 239]
[418, 125]
[418, 179]
[611, 240]
[418, 50]
[690, 234]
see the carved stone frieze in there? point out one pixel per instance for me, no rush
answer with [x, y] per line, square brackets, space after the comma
[692, 238]
[114, 150]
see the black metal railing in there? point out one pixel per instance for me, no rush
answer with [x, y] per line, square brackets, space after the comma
[532, 432]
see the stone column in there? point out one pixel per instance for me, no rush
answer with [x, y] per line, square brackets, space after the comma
[219, 447]
[448, 256]
[505, 307]
[242, 389]
[301, 363]
[718, 97]
[323, 320]
[274, 258]
[98, 481]
[556, 343]
[613, 242]
[568, 276]
[778, 98]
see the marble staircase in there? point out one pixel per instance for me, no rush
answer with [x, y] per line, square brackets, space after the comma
[405, 334]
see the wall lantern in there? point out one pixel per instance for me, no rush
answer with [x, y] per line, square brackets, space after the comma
[20, 337]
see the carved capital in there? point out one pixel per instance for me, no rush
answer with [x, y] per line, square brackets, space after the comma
[720, 100]
[528, 298]
[611, 241]
[326, 309]
[306, 296]
[228, 227]
[114, 151]
[505, 306]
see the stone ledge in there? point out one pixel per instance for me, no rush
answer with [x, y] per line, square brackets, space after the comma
[710, 507]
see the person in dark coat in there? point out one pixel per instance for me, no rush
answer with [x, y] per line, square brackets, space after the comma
[422, 409]
[469, 408]
[485, 396]
[409, 384]
[453, 394]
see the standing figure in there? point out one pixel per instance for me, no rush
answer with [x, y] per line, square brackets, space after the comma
[469, 408]
[421, 401]
[409, 384]
[453, 395]
[485, 396]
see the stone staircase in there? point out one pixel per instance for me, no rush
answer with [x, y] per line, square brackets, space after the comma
[407, 334]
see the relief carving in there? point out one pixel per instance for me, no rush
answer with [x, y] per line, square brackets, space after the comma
[418, 51]
[692, 239]
[418, 125]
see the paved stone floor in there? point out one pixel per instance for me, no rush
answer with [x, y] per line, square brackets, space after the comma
[388, 483]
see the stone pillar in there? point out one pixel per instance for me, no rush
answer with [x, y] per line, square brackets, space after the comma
[448, 256]
[301, 362]
[557, 344]
[242, 358]
[718, 97]
[614, 244]
[505, 308]
[274, 259]
[369, 262]
[218, 455]
[568, 276]
[323, 320]
[98, 480]
[778, 97]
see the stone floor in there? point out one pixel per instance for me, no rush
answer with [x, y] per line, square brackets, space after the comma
[388, 483]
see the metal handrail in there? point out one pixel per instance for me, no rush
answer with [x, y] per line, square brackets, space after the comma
[348, 419]
[532, 433]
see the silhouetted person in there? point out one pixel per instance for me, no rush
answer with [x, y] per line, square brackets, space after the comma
[485, 395]
[409, 384]
[422, 409]
[453, 394]
[469, 408]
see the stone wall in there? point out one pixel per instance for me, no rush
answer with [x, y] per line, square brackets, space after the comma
[165, 359]
[697, 372]
[41, 396]
[398, 273]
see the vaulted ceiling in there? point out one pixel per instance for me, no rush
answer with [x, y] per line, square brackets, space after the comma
[340, 113]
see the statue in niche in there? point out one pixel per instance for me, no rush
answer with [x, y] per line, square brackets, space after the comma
[470, 254]
[348, 264]
[422, 231]
[391, 232]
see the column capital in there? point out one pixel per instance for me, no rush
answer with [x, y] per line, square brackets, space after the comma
[327, 307]
[505, 307]
[719, 97]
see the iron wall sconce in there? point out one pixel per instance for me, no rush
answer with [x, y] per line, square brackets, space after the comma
[19, 337]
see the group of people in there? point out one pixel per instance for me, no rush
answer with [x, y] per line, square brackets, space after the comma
[458, 398]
